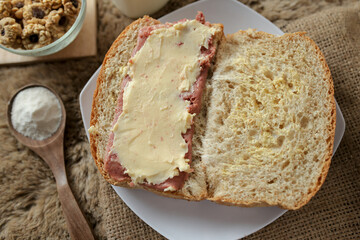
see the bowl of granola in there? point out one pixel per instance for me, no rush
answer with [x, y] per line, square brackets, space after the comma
[39, 27]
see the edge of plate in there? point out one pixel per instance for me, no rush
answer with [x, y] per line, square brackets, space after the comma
[84, 92]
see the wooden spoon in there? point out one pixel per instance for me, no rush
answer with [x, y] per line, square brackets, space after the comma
[51, 151]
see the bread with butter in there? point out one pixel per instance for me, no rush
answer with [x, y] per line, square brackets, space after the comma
[265, 132]
[103, 111]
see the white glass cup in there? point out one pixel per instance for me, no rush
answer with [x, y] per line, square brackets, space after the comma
[139, 8]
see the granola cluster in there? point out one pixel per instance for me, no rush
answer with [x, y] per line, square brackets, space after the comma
[31, 24]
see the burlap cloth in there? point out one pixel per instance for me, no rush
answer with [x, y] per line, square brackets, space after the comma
[335, 210]
[30, 209]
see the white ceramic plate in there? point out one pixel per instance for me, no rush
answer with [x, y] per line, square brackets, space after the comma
[179, 219]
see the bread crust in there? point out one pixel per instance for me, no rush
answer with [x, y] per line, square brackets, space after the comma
[331, 127]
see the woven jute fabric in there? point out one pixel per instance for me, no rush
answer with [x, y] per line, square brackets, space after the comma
[29, 205]
[334, 213]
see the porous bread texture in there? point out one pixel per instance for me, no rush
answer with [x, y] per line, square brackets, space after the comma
[195, 188]
[271, 121]
[105, 99]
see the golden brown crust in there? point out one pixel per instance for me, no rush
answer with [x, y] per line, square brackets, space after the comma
[331, 126]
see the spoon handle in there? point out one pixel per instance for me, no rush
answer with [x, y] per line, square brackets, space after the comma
[76, 222]
[53, 155]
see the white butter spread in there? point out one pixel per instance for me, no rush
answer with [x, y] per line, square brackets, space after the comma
[148, 133]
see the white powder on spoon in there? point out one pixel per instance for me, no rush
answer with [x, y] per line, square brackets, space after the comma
[36, 113]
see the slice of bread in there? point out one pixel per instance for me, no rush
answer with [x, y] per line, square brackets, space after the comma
[271, 124]
[265, 132]
[104, 104]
